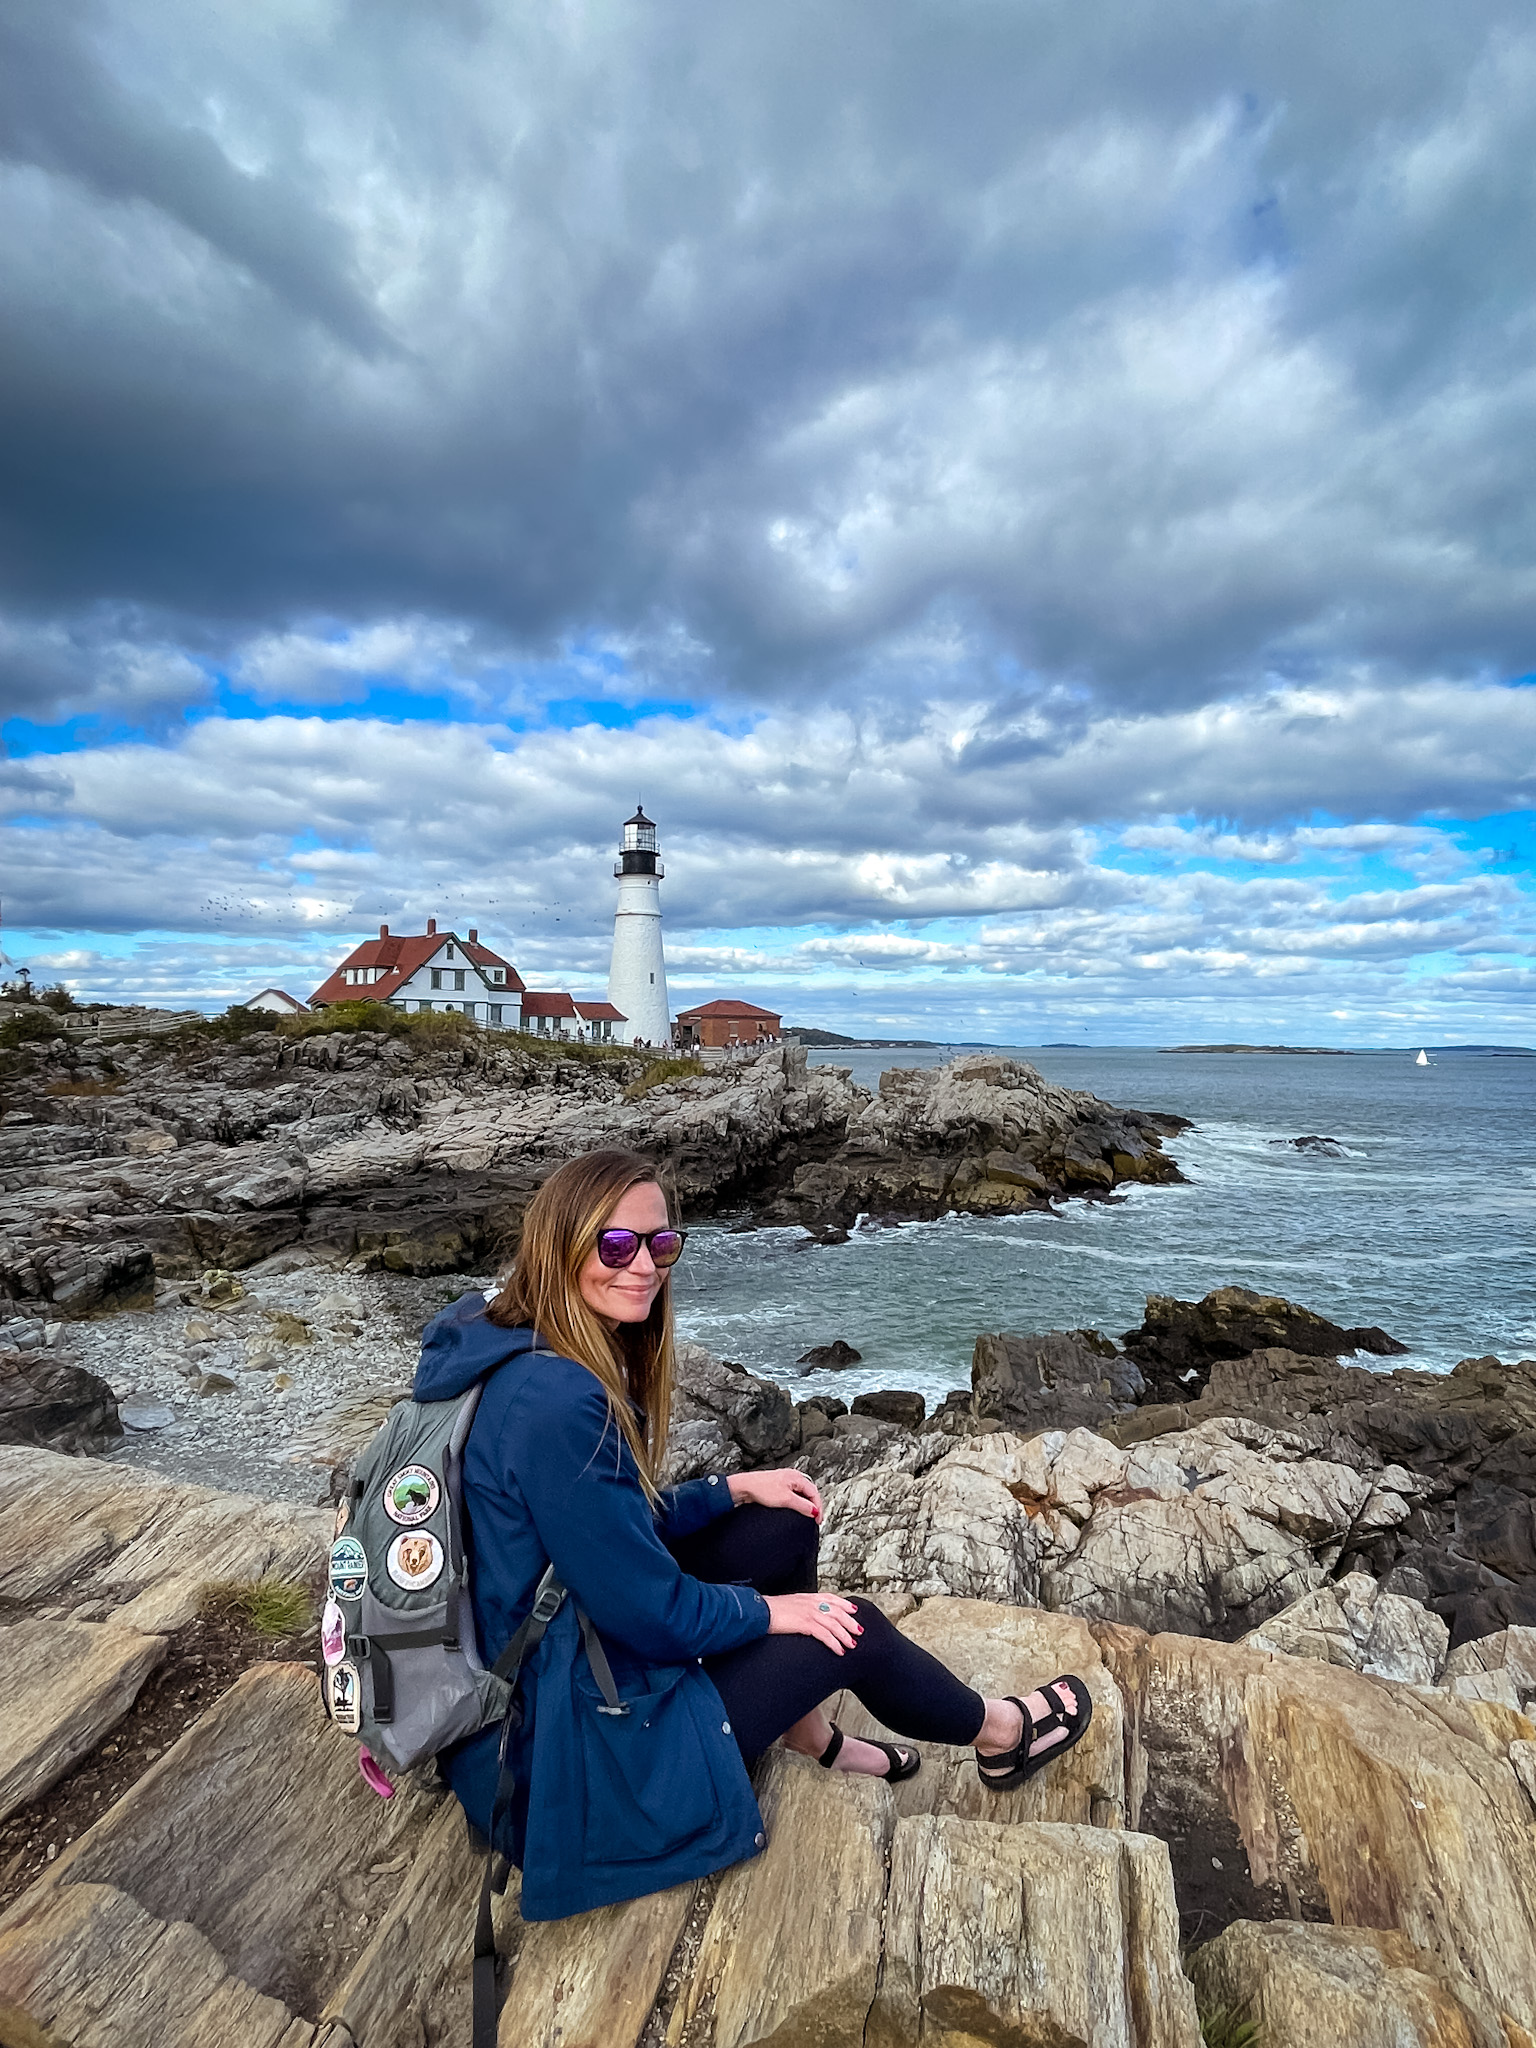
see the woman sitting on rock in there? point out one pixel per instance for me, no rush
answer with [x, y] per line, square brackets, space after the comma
[703, 1596]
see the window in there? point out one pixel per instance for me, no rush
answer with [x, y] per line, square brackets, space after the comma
[498, 975]
[653, 981]
[437, 977]
[493, 1013]
[458, 977]
[449, 955]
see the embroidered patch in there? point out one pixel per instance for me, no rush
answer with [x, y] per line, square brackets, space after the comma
[343, 1694]
[333, 1634]
[349, 1568]
[411, 1495]
[415, 1560]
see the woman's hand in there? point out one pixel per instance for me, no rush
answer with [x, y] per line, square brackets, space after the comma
[827, 1616]
[786, 1489]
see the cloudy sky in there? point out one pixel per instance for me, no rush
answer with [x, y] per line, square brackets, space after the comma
[1036, 497]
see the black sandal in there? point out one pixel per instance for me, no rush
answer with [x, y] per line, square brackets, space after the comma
[1011, 1767]
[900, 1768]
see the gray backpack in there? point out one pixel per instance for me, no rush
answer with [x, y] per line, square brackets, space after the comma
[401, 1666]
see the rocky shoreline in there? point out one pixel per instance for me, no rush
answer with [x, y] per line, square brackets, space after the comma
[165, 1158]
[1302, 1591]
[1308, 1796]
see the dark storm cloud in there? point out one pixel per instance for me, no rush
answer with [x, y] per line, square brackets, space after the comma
[1153, 353]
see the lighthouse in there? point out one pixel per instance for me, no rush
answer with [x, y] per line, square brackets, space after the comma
[637, 974]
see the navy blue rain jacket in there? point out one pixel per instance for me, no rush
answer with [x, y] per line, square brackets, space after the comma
[605, 1809]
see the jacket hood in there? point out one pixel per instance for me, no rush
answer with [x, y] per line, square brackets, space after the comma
[460, 1346]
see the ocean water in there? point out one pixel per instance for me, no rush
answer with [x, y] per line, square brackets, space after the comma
[1426, 1223]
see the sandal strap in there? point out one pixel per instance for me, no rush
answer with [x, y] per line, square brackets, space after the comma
[828, 1756]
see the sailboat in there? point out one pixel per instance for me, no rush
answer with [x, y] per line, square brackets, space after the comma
[1423, 1058]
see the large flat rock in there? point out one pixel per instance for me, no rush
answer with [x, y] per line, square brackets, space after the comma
[775, 1966]
[1301, 1786]
[1038, 1933]
[89, 1968]
[67, 1683]
[1346, 1987]
[147, 1545]
[256, 1831]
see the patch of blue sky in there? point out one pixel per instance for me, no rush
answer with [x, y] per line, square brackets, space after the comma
[24, 737]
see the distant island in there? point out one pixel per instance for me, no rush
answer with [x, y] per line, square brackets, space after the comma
[810, 1035]
[1316, 1051]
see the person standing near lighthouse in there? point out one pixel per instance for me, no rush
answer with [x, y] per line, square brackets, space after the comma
[637, 974]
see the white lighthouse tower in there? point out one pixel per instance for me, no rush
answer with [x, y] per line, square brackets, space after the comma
[637, 974]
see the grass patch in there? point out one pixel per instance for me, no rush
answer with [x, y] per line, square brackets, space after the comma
[273, 1606]
[659, 1072]
[1227, 2027]
[95, 1086]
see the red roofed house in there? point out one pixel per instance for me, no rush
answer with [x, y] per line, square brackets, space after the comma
[729, 1021]
[548, 1014]
[431, 970]
[600, 1019]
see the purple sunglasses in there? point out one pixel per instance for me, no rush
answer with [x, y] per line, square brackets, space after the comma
[622, 1247]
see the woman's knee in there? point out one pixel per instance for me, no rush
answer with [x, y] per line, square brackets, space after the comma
[789, 1541]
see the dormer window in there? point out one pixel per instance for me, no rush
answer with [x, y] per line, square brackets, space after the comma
[498, 975]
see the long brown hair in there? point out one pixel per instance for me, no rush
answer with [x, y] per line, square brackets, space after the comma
[633, 1364]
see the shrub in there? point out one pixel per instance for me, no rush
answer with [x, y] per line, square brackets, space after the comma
[362, 1015]
[273, 1606]
[1226, 2027]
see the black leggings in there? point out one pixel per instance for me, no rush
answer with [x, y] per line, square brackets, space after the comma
[769, 1684]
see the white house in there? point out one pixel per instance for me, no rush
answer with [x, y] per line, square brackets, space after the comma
[278, 1001]
[431, 970]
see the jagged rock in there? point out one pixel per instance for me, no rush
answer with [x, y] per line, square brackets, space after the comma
[953, 1529]
[1001, 1934]
[1055, 1381]
[755, 1414]
[861, 1443]
[47, 1400]
[1177, 1336]
[1511, 1653]
[830, 1357]
[1211, 1531]
[1320, 1792]
[333, 1442]
[95, 1280]
[1468, 1437]
[1354, 1623]
[67, 1683]
[1346, 1987]
[892, 1404]
[924, 1144]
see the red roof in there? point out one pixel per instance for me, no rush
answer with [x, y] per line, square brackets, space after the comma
[547, 1005]
[400, 957]
[726, 1006]
[596, 1012]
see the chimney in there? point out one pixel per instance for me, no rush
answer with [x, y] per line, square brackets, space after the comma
[474, 936]
[383, 931]
[431, 927]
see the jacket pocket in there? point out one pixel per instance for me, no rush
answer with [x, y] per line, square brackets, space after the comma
[649, 1775]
